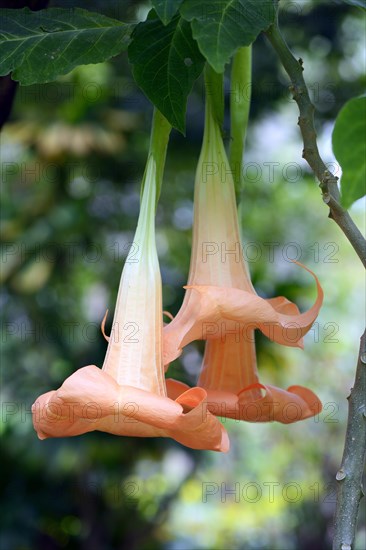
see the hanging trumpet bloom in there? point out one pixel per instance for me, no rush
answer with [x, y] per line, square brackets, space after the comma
[222, 307]
[128, 395]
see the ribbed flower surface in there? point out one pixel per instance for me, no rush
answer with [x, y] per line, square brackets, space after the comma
[134, 354]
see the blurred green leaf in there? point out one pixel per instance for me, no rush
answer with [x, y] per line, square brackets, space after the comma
[349, 146]
[358, 3]
[39, 46]
[166, 9]
[222, 26]
[165, 63]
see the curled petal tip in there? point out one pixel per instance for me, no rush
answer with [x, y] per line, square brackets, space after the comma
[298, 263]
[168, 314]
[102, 326]
[293, 325]
[312, 401]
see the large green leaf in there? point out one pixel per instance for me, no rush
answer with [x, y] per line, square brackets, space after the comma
[166, 61]
[349, 146]
[39, 46]
[222, 26]
[358, 3]
[166, 9]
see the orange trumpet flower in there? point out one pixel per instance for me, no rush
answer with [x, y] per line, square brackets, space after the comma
[128, 395]
[222, 307]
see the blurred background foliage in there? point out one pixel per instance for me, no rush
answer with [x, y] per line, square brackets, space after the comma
[73, 154]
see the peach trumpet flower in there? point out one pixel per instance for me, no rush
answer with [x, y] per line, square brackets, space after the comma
[222, 307]
[128, 395]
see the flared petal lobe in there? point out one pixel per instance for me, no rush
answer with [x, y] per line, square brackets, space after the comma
[90, 399]
[234, 389]
[218, 312]
[258, 402]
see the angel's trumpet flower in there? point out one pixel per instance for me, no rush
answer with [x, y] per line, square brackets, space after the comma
[128, 395]
[222, 307]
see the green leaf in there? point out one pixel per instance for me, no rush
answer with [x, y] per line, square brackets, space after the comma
[166, 62]
[39, 46]
[222, 26]
[358, 3]
[349, 146]
[166, 9]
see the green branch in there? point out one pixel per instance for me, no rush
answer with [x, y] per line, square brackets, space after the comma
[328, 182]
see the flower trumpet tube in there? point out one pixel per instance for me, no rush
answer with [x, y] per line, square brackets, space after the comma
[128, 395]
[222, 307]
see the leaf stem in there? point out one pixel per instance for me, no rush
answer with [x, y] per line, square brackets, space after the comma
[328, 182]
[214, 84]
[240, 95]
